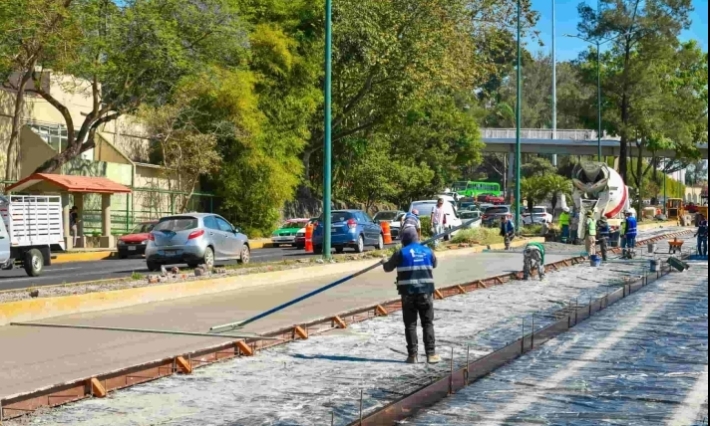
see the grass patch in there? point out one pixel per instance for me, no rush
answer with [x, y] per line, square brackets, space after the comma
[135, 276]
[480, 236]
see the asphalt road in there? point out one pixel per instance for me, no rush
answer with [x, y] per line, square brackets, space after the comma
[67, 273]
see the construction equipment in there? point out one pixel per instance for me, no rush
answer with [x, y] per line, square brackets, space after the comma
[599, 188]
[30, 226]
[675, 209]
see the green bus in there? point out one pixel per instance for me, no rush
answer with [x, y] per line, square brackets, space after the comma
[474, 189]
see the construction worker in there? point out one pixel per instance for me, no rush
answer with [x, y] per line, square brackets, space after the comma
[702, 235]
[507, 231]
[565, 220]
[604, 231]
[534, 259]
[415, 265]
[411, 220]
[629, 234]
[591, 229]
[574, 228]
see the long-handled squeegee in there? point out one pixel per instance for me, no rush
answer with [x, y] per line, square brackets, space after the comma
[237, 325]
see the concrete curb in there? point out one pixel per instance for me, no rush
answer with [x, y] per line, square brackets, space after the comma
[43, 308]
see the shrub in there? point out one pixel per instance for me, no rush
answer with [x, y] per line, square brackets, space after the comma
[482, 236]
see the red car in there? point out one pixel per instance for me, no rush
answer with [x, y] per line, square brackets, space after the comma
[135, 243]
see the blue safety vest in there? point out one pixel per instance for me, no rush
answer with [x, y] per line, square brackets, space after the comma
[415, 273]
[507, 228]
[631, 227]
[411, 221]
[604, 229]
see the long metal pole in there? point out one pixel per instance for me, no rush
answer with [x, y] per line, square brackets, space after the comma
[554, 76]
[665, 189]
[518, 118]
[599, 101]
[327, 149]
[144, 331]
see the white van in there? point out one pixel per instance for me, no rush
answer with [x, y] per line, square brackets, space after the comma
[426, 207]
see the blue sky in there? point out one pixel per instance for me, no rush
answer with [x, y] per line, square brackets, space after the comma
[567, 19]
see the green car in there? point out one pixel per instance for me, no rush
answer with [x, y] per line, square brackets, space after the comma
[287, 233]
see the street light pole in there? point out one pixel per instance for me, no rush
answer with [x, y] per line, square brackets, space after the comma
[327, 149]
[518, 117]
[599, 100]
[554, 76]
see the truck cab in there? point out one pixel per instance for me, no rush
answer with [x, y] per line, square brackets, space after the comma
[4, 246]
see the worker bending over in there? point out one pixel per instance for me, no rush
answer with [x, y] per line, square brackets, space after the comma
[411, 220]
[507, 231]
[702, 235]
[604, 234]
[591, 229]
[565, 220]
[415, 265]
[629, 234]
[534, 260]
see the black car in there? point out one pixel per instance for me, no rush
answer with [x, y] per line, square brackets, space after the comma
[494, 215]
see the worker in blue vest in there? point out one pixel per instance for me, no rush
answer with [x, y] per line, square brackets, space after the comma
[415, 265]
[507, 230]
[702, 235]
[629, 233]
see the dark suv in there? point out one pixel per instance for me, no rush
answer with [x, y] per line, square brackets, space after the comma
[493, 215]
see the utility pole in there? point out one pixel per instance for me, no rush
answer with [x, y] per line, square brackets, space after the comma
[519, 118]
[599, 100]
[554, 77]
[327, 149]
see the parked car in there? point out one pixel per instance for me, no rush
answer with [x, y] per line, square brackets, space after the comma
[393, 217]
[539, 215]
[468, 216]
[493, 215]
[300, 241]
[287, 233]
[350, 229]
[195, 239]
[135, 243]
[491, 199]
[467, 206]
[426, 207]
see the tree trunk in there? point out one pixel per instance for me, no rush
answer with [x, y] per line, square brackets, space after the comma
[12, 168]
[639, 181]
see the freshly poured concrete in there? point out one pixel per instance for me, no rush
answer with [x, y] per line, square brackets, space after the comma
[34, 358]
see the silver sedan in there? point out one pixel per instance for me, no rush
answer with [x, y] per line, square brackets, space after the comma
[195, 239]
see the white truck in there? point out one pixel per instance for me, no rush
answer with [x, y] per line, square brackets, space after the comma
[30, 226]
[599, 188]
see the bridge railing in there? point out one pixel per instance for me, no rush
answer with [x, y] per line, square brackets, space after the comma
[568, 134]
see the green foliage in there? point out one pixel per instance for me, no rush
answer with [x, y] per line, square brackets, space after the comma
[539, 188]
[479, 236]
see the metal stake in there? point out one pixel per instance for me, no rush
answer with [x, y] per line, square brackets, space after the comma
[362, 396]
[451, 382]
[332, 418]
[532, 334]
[522, 341]
[467, 373]
[576, 312]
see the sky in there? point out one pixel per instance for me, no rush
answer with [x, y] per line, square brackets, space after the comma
[568, 17]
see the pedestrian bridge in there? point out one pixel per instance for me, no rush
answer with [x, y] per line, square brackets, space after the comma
[567, 142]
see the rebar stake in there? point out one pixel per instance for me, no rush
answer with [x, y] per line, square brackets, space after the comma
[532, 334]
[451, 382]
[362, 396]
[467, 373]
[522, 341]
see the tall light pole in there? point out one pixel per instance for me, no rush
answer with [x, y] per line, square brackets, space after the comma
[554, 77]
[518, 117]
[327, 149]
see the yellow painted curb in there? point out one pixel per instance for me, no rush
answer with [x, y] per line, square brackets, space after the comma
[43, 308]
[82, 257]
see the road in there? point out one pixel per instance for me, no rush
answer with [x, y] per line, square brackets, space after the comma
[67, 273]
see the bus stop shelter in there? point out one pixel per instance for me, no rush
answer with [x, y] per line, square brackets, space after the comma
[76, 186]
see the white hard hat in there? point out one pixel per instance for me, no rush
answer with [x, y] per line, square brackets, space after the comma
[566, 210]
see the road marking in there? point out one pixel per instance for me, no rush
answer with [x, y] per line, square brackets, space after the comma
[499, 418]
[693, 403]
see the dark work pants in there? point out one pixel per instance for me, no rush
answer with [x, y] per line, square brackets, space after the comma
[604, 246]
[414, 307]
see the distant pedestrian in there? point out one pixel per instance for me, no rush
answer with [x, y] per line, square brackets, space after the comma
[565, 219]
[415, 266]
[629, 234]
[411, 220]
[591, 230]
[507, 231]
[702, 235]
[534, 260]
[74, 224]
[438, 219]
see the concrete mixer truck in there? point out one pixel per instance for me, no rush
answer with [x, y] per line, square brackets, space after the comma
[599, 188]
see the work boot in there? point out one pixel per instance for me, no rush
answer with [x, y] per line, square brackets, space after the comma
[433, 359]
[413, 359]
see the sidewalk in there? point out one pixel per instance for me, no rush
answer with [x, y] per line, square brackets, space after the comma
[34, 358]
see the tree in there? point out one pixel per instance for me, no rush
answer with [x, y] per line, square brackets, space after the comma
[136, 55]
[630, 23]
[32, 32]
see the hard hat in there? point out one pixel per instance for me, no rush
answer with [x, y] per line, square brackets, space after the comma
[566, 210]
[628, 212]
